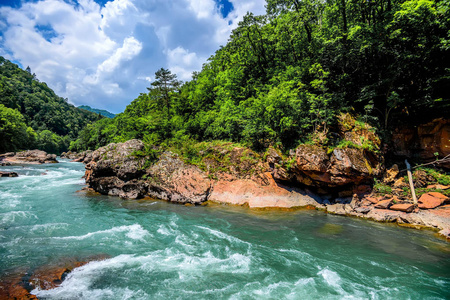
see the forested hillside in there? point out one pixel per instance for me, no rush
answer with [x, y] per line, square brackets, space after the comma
[33, 116]
[282, 78]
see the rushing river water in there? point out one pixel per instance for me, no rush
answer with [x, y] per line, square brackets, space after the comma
[159, 250]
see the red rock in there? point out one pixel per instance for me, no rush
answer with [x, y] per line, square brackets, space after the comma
[384, 204]
[439, 187]
[366, 202]
[438, 195]
[425, 139]
[431, 200]
[373, 200]
[407, 207]
[248, 192]
[12, 288]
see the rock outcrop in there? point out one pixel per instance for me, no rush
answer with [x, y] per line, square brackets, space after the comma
[272, 194]
[28, 157]
[237, 176]
[346, 167]
[401, 212]
[173, 180]
[115, 171]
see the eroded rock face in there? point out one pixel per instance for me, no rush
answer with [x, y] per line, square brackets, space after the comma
[424, 141]
[347, 167]
[114, 170]
[249, 192]
[173, 180]
[344, 167]
[28, 157]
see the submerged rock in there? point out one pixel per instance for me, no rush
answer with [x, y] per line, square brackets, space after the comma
[20, 283]
[8, 174]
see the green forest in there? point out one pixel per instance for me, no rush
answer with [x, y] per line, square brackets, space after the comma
[284, 77]
[281, 80]
[33, 116]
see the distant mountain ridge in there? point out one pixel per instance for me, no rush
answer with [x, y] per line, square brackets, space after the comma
[102, 112]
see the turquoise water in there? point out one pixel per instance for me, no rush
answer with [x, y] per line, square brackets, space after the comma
[160, 250]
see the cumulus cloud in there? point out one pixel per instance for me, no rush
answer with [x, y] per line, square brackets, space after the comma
[104, 56]
[183, 63]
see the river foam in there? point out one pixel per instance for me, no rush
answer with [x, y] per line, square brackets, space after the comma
[134, 232]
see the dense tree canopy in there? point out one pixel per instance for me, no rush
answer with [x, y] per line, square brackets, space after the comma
[283, 77]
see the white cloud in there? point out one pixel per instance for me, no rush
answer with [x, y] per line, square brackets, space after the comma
[183, 63]
[105, 56]
[130, 48]
[202, 8]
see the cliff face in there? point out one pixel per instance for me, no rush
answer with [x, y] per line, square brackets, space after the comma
[424, 141]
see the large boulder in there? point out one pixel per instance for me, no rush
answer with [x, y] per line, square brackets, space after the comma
[121, 170]
[117, 170]
[173, 180]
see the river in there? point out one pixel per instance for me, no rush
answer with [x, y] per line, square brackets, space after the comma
[159, 250]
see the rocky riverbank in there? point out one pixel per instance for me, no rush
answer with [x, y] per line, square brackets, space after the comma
[337, 183]
[27, 157]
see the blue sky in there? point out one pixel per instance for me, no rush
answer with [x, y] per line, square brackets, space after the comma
[104, 53]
